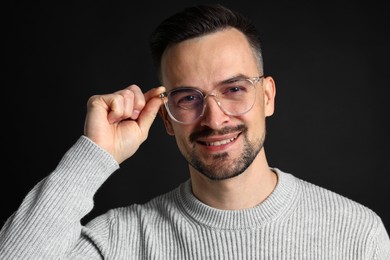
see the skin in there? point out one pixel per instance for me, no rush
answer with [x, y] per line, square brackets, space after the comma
[119, 122]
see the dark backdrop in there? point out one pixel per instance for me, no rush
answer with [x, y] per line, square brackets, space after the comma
[330, 64]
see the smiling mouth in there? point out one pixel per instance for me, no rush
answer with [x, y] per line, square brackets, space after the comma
[219, 143]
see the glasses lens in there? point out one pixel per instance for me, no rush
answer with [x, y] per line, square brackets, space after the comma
[235, 97]
[185, 104]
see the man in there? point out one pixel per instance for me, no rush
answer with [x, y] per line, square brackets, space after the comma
[215, 100]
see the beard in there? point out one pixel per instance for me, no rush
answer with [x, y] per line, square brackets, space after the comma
[223, 166]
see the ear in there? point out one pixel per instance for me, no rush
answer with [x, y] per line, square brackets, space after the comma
[269, 95]
[167, 120]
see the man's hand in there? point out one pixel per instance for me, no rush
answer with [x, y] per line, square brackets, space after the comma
[119, 122]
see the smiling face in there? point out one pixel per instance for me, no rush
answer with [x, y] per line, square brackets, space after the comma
[217, 145]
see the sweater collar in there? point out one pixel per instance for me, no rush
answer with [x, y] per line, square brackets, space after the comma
[275, 206]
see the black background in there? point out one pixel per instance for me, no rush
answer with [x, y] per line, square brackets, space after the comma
[329, 61]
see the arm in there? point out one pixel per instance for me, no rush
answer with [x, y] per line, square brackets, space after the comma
[47, 224]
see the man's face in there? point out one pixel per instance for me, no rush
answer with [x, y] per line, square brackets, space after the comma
[217, 145]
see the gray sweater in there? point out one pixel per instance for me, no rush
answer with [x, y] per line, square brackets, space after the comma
[298, 220]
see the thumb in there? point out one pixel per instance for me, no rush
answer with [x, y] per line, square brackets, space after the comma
[150, 111]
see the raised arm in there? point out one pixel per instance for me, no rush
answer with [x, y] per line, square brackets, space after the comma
[47, 223]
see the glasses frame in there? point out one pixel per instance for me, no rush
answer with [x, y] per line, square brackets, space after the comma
[164, 97]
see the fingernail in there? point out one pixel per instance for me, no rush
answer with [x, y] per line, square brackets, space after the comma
[135, 114]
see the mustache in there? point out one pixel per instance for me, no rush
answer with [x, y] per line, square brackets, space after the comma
[210, 132]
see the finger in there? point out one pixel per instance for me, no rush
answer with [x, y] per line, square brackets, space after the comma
[116, 105]
[150, 111]
[136, 101]
[125, 103]
[154, 92]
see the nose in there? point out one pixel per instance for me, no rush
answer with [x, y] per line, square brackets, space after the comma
[213, 115]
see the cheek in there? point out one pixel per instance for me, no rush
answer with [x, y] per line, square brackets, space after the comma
[257, 113]
[255, 120]
[182, 134]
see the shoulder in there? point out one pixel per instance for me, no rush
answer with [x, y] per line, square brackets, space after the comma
[323, 213]
[156, 208]
[327, 204]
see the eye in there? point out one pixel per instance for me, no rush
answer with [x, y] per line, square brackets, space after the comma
[188, 101]
[234, 89]
[186, 98]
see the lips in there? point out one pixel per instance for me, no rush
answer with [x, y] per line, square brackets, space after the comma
[222, 142]
[218, 142]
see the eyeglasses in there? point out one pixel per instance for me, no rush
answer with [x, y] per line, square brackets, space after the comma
[235, 97]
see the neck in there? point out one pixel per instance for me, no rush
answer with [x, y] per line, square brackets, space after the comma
[247, 190]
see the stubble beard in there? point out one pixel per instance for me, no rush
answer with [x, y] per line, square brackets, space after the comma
[222, 165]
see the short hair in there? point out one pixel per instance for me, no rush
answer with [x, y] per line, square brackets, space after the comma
[200, 20]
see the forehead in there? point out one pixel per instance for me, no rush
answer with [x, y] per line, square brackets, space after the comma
[208, 59]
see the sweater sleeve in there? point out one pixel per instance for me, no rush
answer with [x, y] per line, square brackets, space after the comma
[47, 223]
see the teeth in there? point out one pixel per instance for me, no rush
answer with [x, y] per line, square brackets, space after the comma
[222, 142]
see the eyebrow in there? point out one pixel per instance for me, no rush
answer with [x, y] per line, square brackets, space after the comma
[236, 77]
[239, 76]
